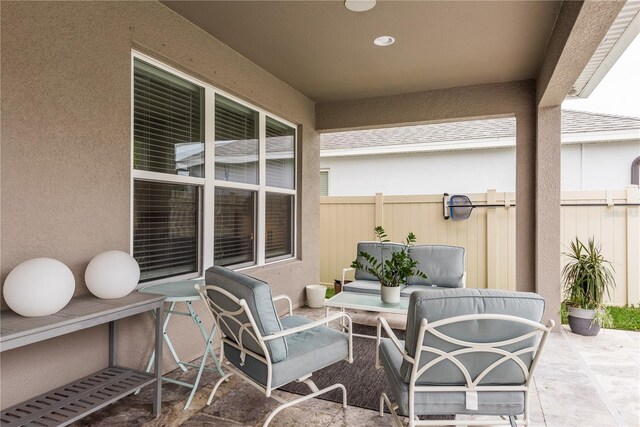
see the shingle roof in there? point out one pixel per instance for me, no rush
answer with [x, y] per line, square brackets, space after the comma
[572, 122]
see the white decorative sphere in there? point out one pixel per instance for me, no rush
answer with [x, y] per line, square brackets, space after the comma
[112, 274]
[39, 287]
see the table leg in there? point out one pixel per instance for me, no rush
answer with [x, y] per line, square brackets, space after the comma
[168, 340]
[207, 339]
[201, 369]
[112, 343]
[157, 400]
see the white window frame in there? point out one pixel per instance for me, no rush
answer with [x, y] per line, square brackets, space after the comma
[209, 183]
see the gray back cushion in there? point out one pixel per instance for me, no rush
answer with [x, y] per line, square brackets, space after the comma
[374, 248]
[443, 265]
[442, 304]
[257, 294]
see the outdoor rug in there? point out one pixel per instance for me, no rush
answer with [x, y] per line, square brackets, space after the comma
[364, 383]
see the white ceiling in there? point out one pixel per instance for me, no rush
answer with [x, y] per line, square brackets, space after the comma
[327, 52]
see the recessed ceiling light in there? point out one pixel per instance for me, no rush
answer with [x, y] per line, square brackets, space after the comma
[384, 41]
[359, 5]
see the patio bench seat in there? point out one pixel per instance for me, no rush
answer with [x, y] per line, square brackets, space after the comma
[443, 266]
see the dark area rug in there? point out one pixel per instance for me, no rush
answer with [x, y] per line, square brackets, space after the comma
[364, 383]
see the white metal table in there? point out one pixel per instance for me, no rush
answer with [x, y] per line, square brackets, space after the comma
[367, 302]
[178, 292]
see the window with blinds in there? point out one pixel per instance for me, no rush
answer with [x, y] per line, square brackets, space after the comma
[167, 123]
[234, 226]
[281, 166]
[324, 183]
[279, 226]
[236, 142]
[253, 179]
[165, 229]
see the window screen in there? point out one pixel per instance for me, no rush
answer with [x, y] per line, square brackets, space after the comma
[279, 225]
[234, 227]
[167, 125]
[236, 146]
[281, 166]
[165, 229]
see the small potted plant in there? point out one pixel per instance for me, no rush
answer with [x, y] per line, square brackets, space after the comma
[587, 277]
[392, 272]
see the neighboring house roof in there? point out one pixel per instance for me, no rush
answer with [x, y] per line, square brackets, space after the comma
[577, 127]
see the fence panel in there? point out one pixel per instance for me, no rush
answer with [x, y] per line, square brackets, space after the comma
[488, 236]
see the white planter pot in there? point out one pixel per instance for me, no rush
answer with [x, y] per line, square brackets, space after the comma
[315, 295]
[390, 295]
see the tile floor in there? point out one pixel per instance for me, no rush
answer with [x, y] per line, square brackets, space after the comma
[580, 381]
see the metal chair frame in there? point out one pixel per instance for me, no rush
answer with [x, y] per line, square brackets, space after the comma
[472, 384]
[250, 328]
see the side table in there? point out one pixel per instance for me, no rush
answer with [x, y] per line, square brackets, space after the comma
[177, 292]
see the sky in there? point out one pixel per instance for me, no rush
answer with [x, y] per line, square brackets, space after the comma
[619, 91]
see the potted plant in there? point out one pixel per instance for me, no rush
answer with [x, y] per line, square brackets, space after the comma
[587, 277]
[391, 272]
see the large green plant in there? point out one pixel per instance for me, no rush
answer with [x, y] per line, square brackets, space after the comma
[394, 271]
[587, 278]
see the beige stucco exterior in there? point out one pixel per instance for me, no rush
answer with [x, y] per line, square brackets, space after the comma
[66, 159]
[66, 153]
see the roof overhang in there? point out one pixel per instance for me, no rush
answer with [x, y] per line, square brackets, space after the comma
[620, 35]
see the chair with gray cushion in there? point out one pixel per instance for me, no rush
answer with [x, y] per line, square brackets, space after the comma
[443, 266]
[263, 349]
[467, 351]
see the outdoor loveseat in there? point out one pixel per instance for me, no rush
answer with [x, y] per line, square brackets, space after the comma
[443, 265]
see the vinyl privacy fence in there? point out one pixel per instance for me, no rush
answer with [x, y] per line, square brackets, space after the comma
[488, 236]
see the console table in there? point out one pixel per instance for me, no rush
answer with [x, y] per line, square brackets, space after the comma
[73, 401]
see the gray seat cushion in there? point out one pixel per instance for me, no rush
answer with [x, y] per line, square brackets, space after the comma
[309, 351]
[440, 403]
[383, 251]
[257, 294]
[440, 304]
[443, 265]
[363, 287]
[408, 290]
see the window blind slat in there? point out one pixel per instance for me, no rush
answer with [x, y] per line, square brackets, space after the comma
[324, 183]
[167, 123]
[236, 135]
[234, 227]
[166, 229]
[279, 225]
[280, 154]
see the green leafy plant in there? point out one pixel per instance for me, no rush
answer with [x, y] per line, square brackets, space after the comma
[587, 278]
[394, 271]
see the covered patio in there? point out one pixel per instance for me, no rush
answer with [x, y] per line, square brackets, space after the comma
[74, 178]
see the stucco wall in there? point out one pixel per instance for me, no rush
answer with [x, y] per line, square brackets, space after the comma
[66, 147]
[593, 166]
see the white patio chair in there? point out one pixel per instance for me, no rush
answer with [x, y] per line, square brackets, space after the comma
[264, 350]
[468, 351]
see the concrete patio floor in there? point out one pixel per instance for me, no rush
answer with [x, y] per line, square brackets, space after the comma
[580, 381]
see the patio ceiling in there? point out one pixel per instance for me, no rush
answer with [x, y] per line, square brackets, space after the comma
[326, 52]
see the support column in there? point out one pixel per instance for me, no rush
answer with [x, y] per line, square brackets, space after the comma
[547, 208]
[525, 200]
